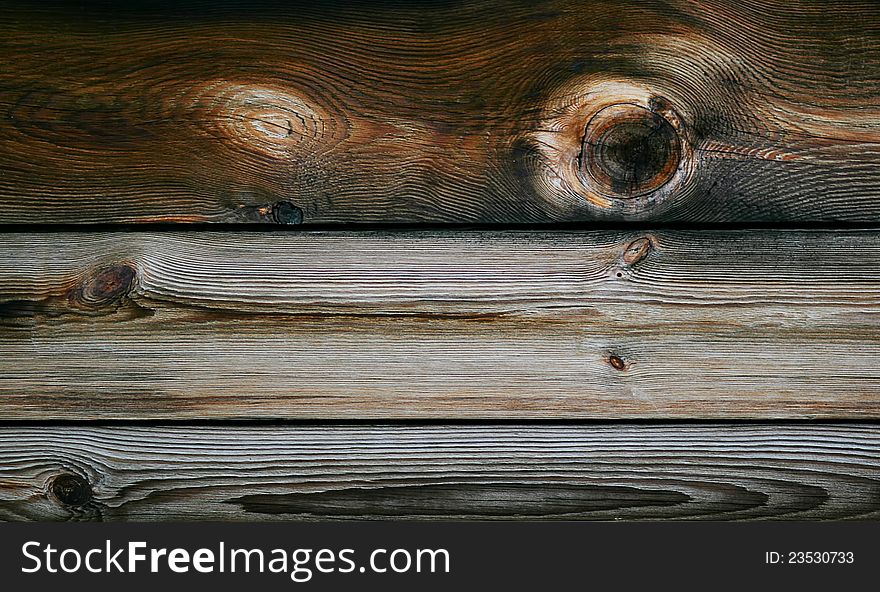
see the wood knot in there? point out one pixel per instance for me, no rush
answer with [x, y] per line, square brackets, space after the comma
[280, 212]
[615, 150]
[106, 285]
[629, 150]
[617, 362]
[637, 250]
[284, 212]
[71, 490]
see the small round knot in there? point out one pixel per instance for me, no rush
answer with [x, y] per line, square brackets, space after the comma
[637, 250]
[71, 490]
[629, 150]
[106, 285]
[617, 362]
[284, 212]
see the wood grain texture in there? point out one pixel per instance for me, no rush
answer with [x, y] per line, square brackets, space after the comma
[690, 324]
[495, 472]
[442, 111]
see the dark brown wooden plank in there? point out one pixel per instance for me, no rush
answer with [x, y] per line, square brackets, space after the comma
[748, 324]
[443, 111]
[496, 472]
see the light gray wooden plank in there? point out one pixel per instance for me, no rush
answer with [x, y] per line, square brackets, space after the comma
[704, 324]
[232, 472]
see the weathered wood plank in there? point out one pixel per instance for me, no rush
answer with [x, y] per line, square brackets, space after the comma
[498, 472]
[749, 324]
[444, 111]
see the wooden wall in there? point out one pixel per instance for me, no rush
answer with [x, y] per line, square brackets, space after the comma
[501, 259]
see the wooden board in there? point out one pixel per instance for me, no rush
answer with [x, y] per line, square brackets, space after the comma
[684, 324]
[445, 111]
[655, 113]
[491, 472]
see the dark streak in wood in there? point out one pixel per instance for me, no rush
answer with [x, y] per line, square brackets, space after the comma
[499, 500]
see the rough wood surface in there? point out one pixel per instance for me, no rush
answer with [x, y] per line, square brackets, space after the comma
[445, 111]
[495, 472]
[690, 324]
